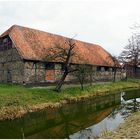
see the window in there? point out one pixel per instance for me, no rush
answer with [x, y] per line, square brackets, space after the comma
[110, 69]
[99, 68]
[62, 67]
[5, 43]
[102, 69]
[5, 40]
[106, 68]
[50, 66]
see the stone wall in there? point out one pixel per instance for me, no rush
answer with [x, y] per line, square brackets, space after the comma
[31, 72]
[96, 75]
[34, 72]
[107, 75]
[37, 72]
[11, 66]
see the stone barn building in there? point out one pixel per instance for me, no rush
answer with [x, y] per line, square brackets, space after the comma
[22, 52]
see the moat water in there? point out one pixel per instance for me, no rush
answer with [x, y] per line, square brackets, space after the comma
[81, 120]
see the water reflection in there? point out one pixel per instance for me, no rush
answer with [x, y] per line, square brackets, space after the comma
[80, 120]
[130, 102]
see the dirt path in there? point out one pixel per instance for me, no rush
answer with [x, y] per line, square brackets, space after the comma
[130, 129]
[69, 85]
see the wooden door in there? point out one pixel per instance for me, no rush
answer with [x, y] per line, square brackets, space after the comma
[50, 75]
[9, 76]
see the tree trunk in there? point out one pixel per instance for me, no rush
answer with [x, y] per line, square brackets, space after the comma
[60, 83]
[91, 79]
[114, 76]
[82, 87]
[135, 71]
[81, 83]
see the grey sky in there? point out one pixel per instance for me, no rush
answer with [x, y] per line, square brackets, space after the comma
[103, 22]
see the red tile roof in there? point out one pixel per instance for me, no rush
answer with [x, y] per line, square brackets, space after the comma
[32, 45]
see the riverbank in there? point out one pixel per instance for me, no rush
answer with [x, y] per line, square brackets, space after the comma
[130, 129]
[17, 100]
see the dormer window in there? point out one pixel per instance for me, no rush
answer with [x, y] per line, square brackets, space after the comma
[5, 43]
[5, 40]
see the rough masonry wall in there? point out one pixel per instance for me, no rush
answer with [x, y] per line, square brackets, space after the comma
[98, 75]
[34, 72]
[95, 74]
[38, 72]
[11, 66]
[59, 73]
[106, 75]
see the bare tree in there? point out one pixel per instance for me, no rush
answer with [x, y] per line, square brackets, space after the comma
[81, 74]
[91, 73]
[63, 53]
[84, 74]
[115, 66]
[130, 56]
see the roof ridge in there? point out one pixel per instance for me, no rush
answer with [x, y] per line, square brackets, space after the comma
[7, 31]
[55, 34]
[20, 26]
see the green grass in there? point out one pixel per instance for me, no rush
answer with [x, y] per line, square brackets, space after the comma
[17, 95]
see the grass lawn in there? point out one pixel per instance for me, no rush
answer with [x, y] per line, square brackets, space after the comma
[17, 95]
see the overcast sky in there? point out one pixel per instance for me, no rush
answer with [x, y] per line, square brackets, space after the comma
[103, 22]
